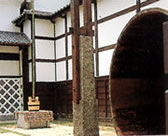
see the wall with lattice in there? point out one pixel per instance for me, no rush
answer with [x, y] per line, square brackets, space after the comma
[11, 96]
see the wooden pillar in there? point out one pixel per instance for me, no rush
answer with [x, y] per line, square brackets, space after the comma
[84, 93]
[75, 50]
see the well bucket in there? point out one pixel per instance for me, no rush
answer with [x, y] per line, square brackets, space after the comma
[137, 76]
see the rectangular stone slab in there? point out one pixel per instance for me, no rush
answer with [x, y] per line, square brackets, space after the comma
[34, 119]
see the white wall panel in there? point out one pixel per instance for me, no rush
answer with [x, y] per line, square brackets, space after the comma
[60, 26]
[70, 69]
[105, 61]
[60, 48]
[45, 72]
[160, 4]
[27, 28]
[44, 28]
[61, 71]
[69, 45]
[44, 49]
[108, 7]
[9, 68]
[109, 31]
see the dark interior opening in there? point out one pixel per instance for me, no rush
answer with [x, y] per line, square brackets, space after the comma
[137, 88]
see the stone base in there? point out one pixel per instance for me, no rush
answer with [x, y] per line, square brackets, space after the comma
[34, 119]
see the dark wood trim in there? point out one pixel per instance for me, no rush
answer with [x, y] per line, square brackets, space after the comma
[51, 60]
[138, 3]
[44, 38]
[64, 58]
[96, 38]
[55, 53]
[66, 47]
[11, 76]
[9, 56]
[75, 23]
[14, 44]
[45, 60]
[106, 48]
[125, 11]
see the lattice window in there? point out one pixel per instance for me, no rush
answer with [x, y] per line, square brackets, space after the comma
[11, 95]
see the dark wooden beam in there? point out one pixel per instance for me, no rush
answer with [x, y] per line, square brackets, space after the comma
[66, 47]
[105, 48]
[87, 9]
[9, 56]
[75, 50]
[44, 38]
[51, 60]
[96, 38]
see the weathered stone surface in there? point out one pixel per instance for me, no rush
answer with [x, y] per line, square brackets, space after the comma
[85, 114]
[33, 119]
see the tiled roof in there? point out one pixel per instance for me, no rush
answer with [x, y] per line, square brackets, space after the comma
[14, 38]
[27, 13]
[61, 5]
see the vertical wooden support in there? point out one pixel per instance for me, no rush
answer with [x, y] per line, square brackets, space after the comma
[138, 3]
[96, 38]
[87, 9]
[66, 47]
[33, 53]
[165, 52]
[55, 55]
[75, 50]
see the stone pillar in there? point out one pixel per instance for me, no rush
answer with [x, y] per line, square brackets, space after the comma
[85, 114]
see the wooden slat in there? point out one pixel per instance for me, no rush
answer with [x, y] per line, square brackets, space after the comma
[44, 38]
[9, 56]
[75, 50]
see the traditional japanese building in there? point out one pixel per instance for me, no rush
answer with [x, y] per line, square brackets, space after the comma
[54, 51]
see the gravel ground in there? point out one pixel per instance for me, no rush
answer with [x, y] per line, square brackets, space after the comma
[54, 130]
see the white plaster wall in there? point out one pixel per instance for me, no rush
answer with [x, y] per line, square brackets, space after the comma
[44, 49]
[60, 26]
[9, 11]
[61, 71]
[108, 7]
[7, 67]
[44, 28]
[27, 28]
[161, 4]
[45, 72]
[60, 48]
[70, 69]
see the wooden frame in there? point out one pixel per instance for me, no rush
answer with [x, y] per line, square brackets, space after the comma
[97, 50]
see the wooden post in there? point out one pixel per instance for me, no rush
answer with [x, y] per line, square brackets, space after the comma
[33, 53]
[96, 38]
[75, 50]
[138, 3]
